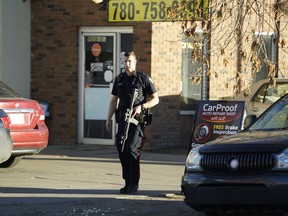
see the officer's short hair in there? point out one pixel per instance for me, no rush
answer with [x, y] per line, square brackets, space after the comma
[131, 53]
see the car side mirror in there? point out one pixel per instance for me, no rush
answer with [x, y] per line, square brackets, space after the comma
[249, 120]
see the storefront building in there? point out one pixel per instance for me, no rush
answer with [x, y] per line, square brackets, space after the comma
[75, 54]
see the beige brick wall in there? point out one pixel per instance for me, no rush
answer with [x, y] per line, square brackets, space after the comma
[166, 74]
[283, 53]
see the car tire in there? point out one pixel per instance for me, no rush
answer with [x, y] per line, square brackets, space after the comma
[11, 162]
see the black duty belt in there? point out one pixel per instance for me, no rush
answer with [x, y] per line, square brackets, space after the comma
[145, 117]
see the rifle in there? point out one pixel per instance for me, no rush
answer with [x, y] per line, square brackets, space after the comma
[129, 119]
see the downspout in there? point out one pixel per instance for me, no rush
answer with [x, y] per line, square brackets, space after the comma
[277, 36]
[206, 66]
[239, 46]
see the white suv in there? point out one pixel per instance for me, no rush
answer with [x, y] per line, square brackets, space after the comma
[262, 95]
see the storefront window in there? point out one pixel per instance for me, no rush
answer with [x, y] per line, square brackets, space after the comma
[192, 70]
[265, 52]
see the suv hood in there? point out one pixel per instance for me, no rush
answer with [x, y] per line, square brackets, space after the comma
[249, 141]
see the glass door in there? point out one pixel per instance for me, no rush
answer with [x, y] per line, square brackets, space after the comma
[99, 63]
[99, 67]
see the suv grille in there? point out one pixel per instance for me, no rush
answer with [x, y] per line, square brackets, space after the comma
[242, 163]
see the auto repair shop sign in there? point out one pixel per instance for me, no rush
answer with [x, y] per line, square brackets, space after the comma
[215, 119]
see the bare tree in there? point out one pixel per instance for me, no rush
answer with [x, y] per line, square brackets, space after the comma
[236, 27]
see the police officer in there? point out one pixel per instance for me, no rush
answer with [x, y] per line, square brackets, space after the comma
[122, 91]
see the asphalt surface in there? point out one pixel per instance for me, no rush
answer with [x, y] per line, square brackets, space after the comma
[85, 180]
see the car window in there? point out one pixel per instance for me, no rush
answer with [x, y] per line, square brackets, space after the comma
[5, 91]
[269, 95]
[274, 118]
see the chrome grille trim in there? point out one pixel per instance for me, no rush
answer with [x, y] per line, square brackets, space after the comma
[238, 163]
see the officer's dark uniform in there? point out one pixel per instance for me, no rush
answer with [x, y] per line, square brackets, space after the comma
[130, 157]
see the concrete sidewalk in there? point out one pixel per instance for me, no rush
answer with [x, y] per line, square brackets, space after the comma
[107, 151]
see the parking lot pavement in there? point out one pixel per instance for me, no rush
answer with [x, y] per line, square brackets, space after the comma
[85, 180]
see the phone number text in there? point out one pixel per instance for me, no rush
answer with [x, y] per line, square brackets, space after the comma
[154, 10]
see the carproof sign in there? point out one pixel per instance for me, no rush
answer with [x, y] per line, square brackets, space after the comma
[215, 119]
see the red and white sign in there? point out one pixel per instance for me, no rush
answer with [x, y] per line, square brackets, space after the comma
[96, 49]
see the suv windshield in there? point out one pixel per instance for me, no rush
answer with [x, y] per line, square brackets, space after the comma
[276, 117]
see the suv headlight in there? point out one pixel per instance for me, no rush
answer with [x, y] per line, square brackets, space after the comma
[282, 160]
[193, 160]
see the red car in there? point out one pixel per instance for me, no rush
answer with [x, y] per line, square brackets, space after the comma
[28, 130]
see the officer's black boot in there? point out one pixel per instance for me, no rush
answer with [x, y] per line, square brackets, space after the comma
[133, 188]
[125, 188]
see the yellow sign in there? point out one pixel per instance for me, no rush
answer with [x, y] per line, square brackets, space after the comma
[151, 10]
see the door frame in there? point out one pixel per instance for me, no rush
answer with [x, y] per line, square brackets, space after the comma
[90, 31]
